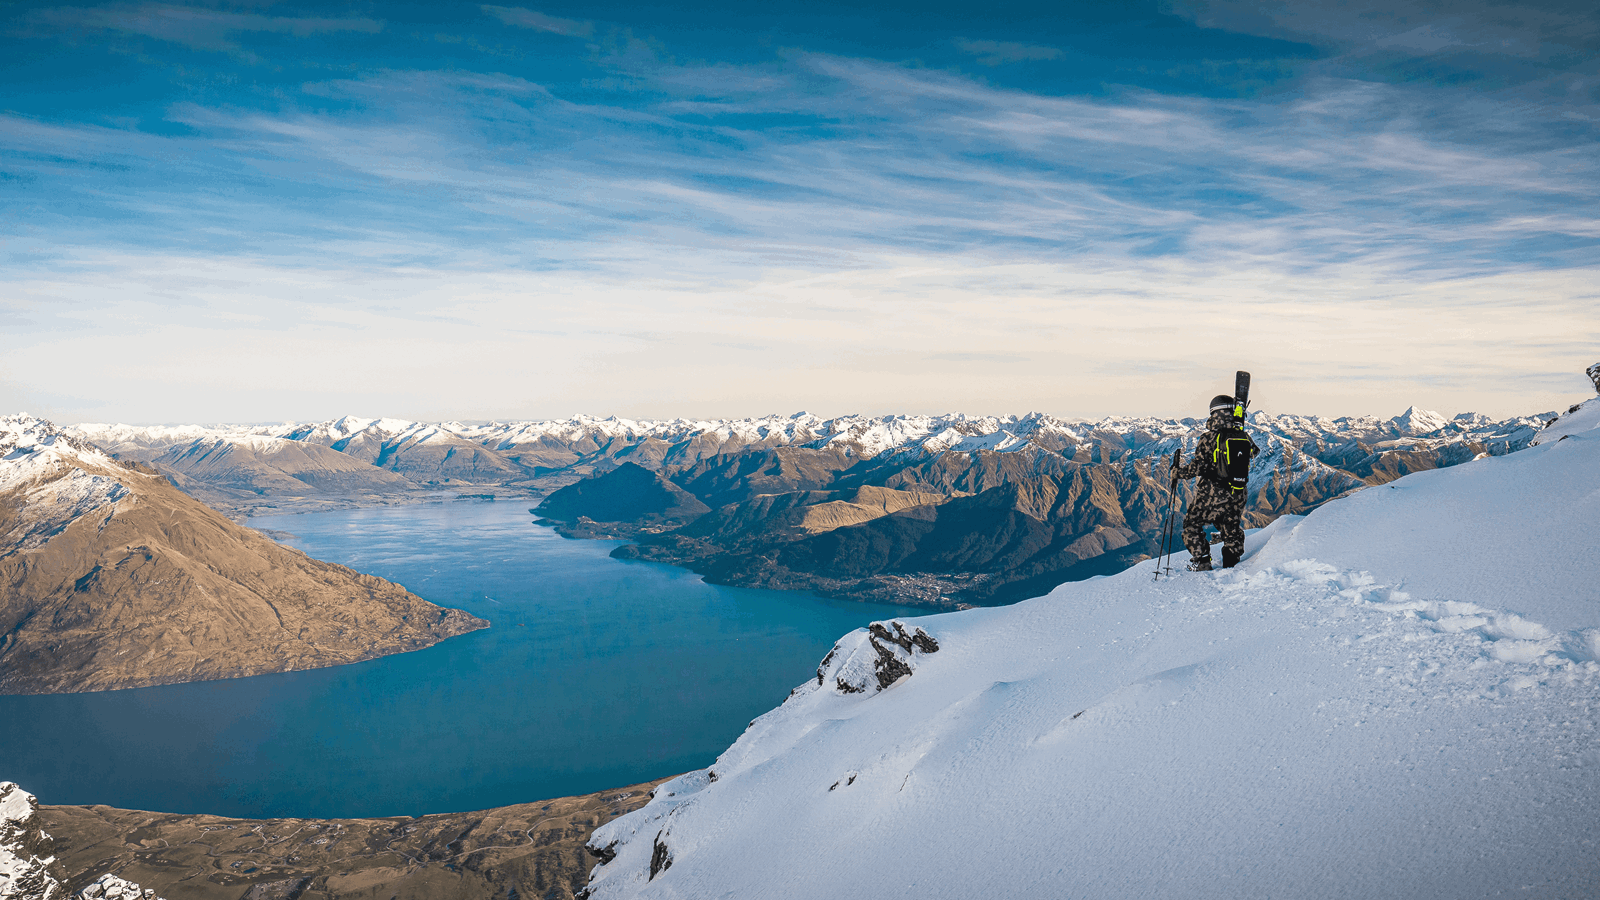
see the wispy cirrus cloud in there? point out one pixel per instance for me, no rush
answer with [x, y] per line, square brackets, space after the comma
[198, 28]
[527, 18]
[909, 160]
[1518, 28]
[994, 53]
[881, 236]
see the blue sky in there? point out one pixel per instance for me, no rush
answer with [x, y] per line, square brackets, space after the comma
[261, 211]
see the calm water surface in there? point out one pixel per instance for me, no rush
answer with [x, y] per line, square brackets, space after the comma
[596, 673]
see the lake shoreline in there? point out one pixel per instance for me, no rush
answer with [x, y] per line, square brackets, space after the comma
[564, 696]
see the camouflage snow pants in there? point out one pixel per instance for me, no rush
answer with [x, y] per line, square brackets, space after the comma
[1215, 504]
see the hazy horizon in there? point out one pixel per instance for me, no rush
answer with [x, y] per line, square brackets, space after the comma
[474, 422]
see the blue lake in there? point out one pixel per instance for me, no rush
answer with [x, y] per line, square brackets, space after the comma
[597, 673]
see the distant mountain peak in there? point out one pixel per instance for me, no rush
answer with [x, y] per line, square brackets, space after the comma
[34, 449]
[1420, 421]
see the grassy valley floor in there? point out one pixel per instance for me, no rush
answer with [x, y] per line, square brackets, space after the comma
[530, 850]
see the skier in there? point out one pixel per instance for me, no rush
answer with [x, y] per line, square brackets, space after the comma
[1222, 463]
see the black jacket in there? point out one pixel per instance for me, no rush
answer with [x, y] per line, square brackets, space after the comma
[1202, 465]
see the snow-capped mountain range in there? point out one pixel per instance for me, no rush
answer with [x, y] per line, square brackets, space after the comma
[864, 436]
[1393, 697]
[1306, 461]
[234, 466]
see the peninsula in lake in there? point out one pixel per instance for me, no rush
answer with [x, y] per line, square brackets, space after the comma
[114, 578]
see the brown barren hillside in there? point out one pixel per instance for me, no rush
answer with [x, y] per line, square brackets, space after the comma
[528, 850]
[112, 578]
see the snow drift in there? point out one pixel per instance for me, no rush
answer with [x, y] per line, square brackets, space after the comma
[1396, 696]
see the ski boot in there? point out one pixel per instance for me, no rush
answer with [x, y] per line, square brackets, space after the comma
[1200, 564]
[1229, 560]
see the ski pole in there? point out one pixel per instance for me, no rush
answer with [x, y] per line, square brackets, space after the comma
[1166, 516]
[1172, 505]
[1172, 521]
[1161, 549]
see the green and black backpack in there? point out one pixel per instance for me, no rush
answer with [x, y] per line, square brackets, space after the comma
[1231, 458]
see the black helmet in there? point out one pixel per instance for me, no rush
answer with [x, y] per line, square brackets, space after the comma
[1222, 401]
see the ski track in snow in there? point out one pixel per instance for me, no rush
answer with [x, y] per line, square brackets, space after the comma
[1423, 727]
[1443, 693]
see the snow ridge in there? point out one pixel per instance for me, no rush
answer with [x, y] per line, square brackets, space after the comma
[1409, 677]
[1580, 418]
[32, 448]
[47, 466]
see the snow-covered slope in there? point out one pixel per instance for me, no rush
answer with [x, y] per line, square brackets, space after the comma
[59, 479]
[1397, 696]
[111, 887]
[1580, 418]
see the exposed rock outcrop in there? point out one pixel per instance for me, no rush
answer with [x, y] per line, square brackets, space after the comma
[870, 661]
[110, 887]
[24, 864]
[660, 855]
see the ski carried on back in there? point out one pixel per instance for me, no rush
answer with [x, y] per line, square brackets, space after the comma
[1234, 449]
[1232, 457]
